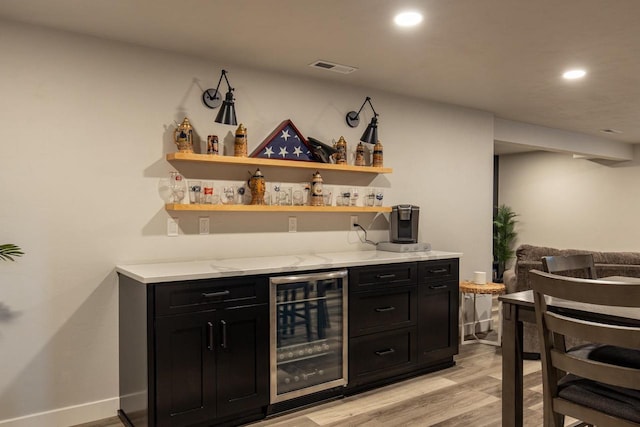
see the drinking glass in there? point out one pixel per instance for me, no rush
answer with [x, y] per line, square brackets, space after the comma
[195, 191]
[327, 195]
[355, 195]
[276, 187]
[177, 187]
[370, 197]
[284, 196]
[379, 196]
[207, 191]
[241, 192]
[228, 195]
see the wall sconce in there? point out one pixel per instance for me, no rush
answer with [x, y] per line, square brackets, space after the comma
[211, 98]
[370, 134]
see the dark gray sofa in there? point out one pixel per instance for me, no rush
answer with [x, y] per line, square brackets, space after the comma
[529, 257]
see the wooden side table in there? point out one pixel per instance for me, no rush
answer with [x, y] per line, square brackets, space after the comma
[489, 288]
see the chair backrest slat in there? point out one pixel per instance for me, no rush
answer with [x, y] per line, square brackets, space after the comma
[602, 292]
[611, 374]
[580, 264]
[621, 336]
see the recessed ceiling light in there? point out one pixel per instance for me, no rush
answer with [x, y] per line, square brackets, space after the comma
[574, 74]
[408, 19]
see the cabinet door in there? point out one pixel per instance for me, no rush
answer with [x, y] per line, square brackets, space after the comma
[438, 320]
[185, 374]
[243, 359]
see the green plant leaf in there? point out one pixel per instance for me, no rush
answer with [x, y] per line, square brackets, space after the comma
[9, 251]
[504, 233]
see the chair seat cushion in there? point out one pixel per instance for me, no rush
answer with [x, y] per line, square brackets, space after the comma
[613, 355]
[618, 401]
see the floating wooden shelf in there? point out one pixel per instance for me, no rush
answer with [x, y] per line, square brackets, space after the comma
[230, 160]
[266, 208]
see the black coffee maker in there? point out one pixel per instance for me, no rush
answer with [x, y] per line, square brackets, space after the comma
[404, 224]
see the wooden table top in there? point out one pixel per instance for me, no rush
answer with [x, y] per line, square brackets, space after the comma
[487, 288]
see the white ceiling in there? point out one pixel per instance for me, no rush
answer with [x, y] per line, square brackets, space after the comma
[502, 56]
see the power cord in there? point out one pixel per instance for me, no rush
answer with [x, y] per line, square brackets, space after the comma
[371, 242]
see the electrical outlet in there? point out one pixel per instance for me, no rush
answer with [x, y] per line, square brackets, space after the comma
[354, 220]
[172, 227]
[293, 224]
[204, 225]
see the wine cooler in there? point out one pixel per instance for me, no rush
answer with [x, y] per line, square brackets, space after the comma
[308, 333]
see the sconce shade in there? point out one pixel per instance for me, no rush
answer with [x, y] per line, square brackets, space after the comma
[370, 135]
[211, 99]
[227, 113]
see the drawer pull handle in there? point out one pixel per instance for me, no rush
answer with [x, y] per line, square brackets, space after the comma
[223, 344]
[210, 335]
[383, 309]
[438, 286]
[385, 352]
[438, 271]
[215, 294]
[386, 276]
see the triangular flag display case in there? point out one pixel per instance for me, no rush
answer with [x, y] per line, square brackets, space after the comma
[285, 143]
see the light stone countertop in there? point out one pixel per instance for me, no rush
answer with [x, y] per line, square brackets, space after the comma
[216, 268]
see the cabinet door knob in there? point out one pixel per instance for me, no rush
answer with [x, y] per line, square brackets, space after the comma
[383, 309]
[438, 271]
[385, 352]
[438, 286]
[386, 276]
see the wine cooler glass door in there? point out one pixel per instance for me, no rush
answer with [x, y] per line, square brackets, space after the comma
[308, 333]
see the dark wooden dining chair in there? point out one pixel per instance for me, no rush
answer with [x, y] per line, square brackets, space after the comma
[579, 265]
[597, 384]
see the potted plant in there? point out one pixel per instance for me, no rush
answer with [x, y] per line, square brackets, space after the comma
[9, 251]
[504, 236]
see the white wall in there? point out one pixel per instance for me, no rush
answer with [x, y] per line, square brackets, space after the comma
[573, 203]
[85, 128]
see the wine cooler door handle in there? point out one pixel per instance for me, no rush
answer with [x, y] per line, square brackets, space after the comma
[383, 309]
[210, 335]
[385, 352]
[223, 344]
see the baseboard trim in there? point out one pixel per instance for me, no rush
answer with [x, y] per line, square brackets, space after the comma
[68, 416]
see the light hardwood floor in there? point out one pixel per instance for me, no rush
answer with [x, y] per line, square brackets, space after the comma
[467, 394]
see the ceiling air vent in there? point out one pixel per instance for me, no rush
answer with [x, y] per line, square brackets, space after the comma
[331, 66]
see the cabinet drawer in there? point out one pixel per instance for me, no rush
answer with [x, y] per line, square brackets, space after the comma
[197, 295]
[380, 276]
[433, 271]
[379, 353]
[378, 311]
[440, 287]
